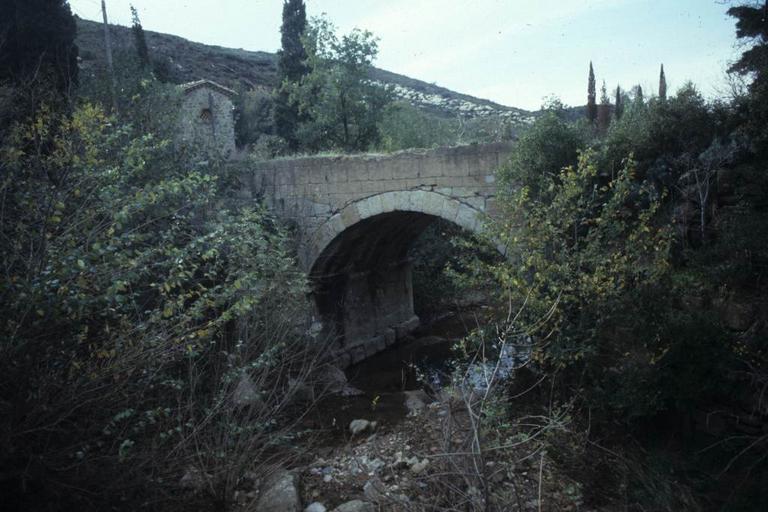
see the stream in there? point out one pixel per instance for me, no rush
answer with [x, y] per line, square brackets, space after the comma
[423, 362]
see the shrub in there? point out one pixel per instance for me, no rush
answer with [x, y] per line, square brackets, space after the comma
[134, 307]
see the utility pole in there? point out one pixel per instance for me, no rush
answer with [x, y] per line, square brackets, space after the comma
[108, 47]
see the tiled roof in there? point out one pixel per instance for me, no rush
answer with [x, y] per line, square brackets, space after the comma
[191, 86]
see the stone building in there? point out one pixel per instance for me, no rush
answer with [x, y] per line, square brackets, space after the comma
[207, 123]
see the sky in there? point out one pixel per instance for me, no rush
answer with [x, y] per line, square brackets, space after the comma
[513, 52]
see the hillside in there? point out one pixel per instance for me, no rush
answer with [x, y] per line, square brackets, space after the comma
[231, 67]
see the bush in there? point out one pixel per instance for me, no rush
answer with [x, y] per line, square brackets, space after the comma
[136, 309]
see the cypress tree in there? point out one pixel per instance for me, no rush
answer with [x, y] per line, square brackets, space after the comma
[639, 100]
[662, 84]
[619, 108]
[139, 39]
[591, 96]
[37, 44]
[291, 67]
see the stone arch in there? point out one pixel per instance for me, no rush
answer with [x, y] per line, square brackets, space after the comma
[417, 201]
[361, 272]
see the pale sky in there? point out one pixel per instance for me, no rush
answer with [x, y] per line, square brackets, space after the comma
[514, 52]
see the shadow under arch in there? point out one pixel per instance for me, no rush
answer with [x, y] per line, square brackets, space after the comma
[358, 263]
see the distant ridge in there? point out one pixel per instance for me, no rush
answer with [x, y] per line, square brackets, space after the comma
[231, 67]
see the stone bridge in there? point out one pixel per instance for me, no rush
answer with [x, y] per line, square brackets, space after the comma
[357, 216]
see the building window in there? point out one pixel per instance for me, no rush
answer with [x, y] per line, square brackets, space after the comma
[206, 116]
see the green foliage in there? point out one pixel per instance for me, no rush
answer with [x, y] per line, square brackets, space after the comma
[291, 67]
[404, 126]
[254, 111]
[132, 299]
[752, 28]
[38, 58]
[581, 253]
[38, 44]
[146, 103]
[342, 105]
[545, 148]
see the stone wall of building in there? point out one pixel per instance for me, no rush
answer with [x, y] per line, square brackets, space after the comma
[206, 121]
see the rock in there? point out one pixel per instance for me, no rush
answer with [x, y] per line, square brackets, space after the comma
[315, 507]
[738, 316]
[375, 491]
[419, 466]
[280, 493]
[245, 391]
[350, 390]
[416, 401]
[332, 379]
[300, 391]
[355, 506]
[194, 479]
[359, 426]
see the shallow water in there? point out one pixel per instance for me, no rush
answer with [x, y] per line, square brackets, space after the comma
[418, 363]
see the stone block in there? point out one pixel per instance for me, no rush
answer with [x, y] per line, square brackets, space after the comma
[406, 327]
[432, 203]
[467, 218]
[375, 345]
[350, 215]
[357, 354]
[387, 200]
[416, 200]
[450, 209]
[390, 337]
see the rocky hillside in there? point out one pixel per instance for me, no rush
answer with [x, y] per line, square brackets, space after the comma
[231, 67]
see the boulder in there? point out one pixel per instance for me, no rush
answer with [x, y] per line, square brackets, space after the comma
[279, 493]
[315, 507]
[245, 392]
[355, 506]
[359, 426]
[416, 401]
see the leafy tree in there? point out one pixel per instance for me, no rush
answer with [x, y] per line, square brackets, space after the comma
[254, 115]
[662, 84]
[591, 96]
[342, 104]
[752, 27]
[38, 43]
[291, 67]
[38, 58]
[139, 39]
[544, 149]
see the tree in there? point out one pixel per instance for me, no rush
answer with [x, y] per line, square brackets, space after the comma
[591, 96]
[341, 105]
[752, 27]
[38, 44]
[291, 67]
[662, 84]
[139, 39]
[619, 108]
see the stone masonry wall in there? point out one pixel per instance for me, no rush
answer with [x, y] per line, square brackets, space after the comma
[309, 191]
[214, 133]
